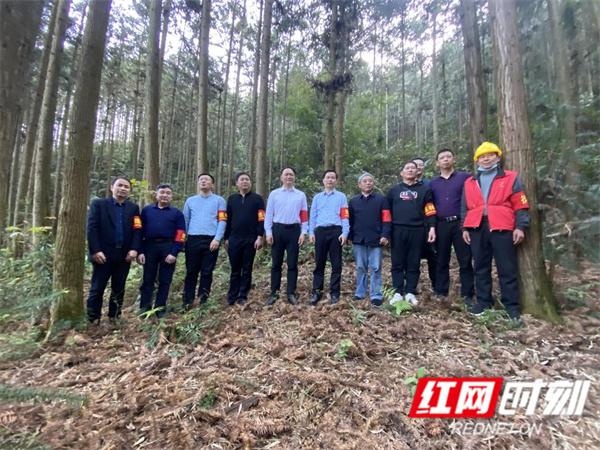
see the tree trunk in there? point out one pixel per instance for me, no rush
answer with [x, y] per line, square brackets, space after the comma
[70, 239]
[152, 100]
[282, 149]
[202, 136]
[537, 297]
[473, 72]
[42, 182]
[330, 91]
[253, 121]
[434, 83]
[263, 101]
[19, 25]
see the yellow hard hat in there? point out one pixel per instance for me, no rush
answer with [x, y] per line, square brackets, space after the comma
[486, 147]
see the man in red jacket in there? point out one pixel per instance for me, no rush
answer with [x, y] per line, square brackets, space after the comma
[495, 217]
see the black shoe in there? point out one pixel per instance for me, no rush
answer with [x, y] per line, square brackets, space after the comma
[334, 299]
[203, 299]
[292, 300]
[357, 298]
[272, 299]
[476, 309]
[231, 301]
[161, 313]
[187, 307]
[513, 313]
[376, 301]
[241, 301]
[314, 299]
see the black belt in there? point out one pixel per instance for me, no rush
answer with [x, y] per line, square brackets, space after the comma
[449, 219]
[157, 240]
[119, 246]
[287, 226]
[329, 227]
[200, 236]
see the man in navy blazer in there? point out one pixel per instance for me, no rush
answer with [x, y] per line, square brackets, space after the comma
[114, 234]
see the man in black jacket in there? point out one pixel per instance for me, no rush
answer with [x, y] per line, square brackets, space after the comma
[114, 237]
[411, 203]
[243, 236]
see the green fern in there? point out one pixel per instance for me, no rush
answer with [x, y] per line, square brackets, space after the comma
[25, 394]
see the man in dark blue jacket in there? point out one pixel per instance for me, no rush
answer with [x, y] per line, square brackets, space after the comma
[114, 236]
[370, 224]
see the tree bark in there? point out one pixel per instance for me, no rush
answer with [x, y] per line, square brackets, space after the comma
[473, 72]
[70, 239]
[42, 182]
[535, 287]
[253, 121]
[202, 137]
[152, 100]
[19, 25]
[434, 82]
[263, 101]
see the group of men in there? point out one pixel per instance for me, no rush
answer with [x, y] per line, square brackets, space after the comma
[481, 216]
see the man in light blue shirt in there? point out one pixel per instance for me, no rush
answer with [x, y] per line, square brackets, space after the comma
[328, 230]
[285, 228]
[205, 219]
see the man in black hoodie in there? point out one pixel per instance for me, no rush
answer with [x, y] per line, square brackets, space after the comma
[412, 208]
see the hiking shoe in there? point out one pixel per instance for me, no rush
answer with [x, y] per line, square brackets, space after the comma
[292, 299]
[314, 299]
[476, 309]
[334, 299]
[376, 301]
[396, 298]
[272, 299]
[410, 298]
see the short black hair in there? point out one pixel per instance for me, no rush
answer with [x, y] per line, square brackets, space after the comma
[330, 170]
[164, 186]
[207, 174]
[239, 174]
[419, 158]
[119, 177]
[412, 161]
[287, 167]
[443, 150]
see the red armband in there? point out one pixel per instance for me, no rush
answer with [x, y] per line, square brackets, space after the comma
[180, 236]
[429, 209]
[222, 216]
[304, 216]
[519, 201]
[344, 213]
[137, 223]
[386, 216]
[261, 215]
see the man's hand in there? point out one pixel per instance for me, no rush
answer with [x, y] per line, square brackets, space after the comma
[270, 239]
[141, 259]
[311, 239]
[170, 259]
[342, 239]
[383, 241]
[214, 245]
[131, 255]
[518, 236]
[301, 238]
[431, 235]
[466, 237]
[99, 258]
[258, 243]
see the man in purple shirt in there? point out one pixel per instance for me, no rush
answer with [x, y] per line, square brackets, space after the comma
[447, 194]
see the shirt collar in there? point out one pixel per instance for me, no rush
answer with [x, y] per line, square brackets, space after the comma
[292, 189]
[116, 203]
[158, 207]
[329, 193]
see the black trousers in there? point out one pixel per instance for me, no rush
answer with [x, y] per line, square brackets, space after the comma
[285, 239]
[328, 245]
[198, 260]
[448, 235]
[155, 253]
[485, 245]
[407, 246]
[241, 258]
[116, 270]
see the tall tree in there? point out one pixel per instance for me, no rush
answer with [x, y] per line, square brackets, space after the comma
[263, 101]
[537, 296]
[473, 72]
[202, 137]
[255, 76]
[70, 239]
[42, 182]
[19, 25]
[152, 99]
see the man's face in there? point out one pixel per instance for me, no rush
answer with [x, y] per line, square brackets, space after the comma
[420, 166]
[330, 180]
[243, 183]
[409, 172]
[487, 160]
[366, 184]
[445, 160]
[164, 196]
[288, 177]
[205, 183]
[120, 189]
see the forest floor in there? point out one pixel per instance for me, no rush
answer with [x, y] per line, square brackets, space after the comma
[296, 377]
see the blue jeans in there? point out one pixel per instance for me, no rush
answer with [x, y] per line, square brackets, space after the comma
[368, 259]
